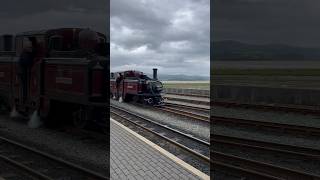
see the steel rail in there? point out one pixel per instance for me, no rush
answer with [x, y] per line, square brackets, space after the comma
[82, 170]
[266, 146]
[261, 167]
[163, 126]
[188, 114]
[243, 173]
[188, 106]
[26, 169]
[191, 95]
[275, 107]
[307, 130]
[192, 101]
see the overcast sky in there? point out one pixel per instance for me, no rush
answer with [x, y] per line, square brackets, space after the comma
[171, 35]
[19, 16]
[293, 22]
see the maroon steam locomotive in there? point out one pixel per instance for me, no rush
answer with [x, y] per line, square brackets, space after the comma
[136, 86]
[67, 74]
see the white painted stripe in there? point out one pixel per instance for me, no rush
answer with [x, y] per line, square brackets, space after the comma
[165, 152]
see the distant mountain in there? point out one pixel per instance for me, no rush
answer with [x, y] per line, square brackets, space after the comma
[181, 77]
[234, 50]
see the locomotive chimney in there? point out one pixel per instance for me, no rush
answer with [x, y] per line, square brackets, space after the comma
[155, 73]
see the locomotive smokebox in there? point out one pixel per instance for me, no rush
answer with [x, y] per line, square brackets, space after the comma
[155, 73]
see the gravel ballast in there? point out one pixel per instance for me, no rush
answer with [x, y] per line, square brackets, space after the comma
[198, 129]
[301, 163]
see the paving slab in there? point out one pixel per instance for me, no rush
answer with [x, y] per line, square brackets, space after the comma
[134, 157]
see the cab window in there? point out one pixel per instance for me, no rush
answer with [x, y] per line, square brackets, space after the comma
[56, 43]
[6, 43]
[24, 42]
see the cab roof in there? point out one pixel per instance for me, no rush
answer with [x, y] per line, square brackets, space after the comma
[135, 71]
[49, 31]
[31, 33]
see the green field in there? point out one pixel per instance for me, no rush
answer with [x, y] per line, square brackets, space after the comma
[187, 85]
[272, 77]
[267, 72]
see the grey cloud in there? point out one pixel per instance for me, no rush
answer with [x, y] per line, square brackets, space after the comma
[294, 22]
[171, 35]
[19, 16]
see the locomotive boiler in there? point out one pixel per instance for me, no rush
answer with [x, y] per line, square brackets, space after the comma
[65, 76]
[137, 87]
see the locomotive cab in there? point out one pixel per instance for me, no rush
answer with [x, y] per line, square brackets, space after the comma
[6, 57]
[66, 73]
[6, 43]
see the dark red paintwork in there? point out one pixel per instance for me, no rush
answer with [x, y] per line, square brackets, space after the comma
[136, 86]
[58, 77]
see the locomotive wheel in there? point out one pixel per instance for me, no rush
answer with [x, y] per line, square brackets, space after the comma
[4, 105]
[135, 99]
[80, 119]
[128, 98]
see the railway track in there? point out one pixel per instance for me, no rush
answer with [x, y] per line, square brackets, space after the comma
[40, 165]
[191, 95]
[197, 113]
[274, 107]
[191, 100]
[193, 150]
[289, 128]
[251, 169]
[189, 107]
[266, 146]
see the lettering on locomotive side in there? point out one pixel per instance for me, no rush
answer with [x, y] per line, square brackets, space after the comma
[63, 80]
[63, 72]
[64, 75]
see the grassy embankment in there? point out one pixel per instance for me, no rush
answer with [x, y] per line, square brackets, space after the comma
[267, 72]
[187, 85]
[242, 72]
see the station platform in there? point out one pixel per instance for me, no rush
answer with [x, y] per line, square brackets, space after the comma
[134, 157]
